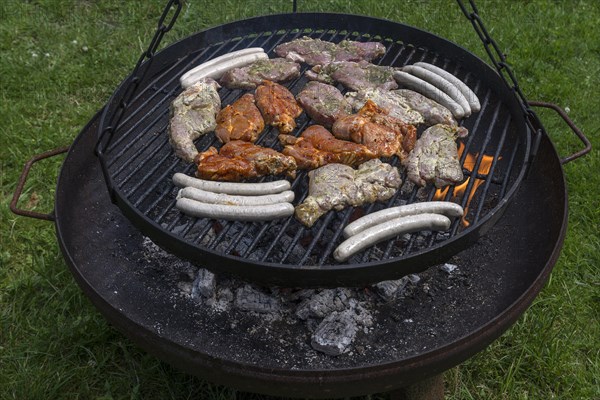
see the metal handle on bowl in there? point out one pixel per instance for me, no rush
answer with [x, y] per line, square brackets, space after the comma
[23, 179]
[563, 114]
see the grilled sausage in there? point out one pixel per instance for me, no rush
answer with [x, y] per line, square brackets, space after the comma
[222, 198]
[446, 208]
[390, 229]
[466, 91]
[234, 213]
[428, 90]
[216, 67]
[441, 83]
[246, 189]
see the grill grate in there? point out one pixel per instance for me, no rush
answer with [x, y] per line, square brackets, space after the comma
[140, 162]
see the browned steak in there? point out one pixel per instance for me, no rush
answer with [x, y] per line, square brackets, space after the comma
[323, 103]
[360, 75]
[319, 52]
[250, 76]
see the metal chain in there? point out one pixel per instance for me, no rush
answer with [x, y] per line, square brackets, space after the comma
[137, 75]
[505, 72]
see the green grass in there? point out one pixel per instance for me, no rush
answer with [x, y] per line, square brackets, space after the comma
[59, 63]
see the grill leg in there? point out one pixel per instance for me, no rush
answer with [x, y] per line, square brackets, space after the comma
[429, 389]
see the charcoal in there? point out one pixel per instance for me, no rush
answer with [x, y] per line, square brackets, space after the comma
[389, 290]
[205, 284]
[449, 268]
[335, 333]
[323, 303]
[248, 298]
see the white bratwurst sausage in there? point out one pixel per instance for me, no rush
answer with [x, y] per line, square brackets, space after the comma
[441, 83]
[390, 229]
[466, 91]
[446, 208]
[428, 90]
[222, 198]
[234, 213]
[245, 189]
[216, 67]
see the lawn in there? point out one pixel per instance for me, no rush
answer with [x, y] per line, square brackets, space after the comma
[60, 61]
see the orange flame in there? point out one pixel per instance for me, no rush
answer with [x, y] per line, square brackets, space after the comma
[469, 164]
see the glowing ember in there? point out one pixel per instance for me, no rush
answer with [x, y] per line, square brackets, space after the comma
[459, 191]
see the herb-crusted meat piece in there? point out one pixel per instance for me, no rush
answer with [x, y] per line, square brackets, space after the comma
[323, 103]
[191, 115]
[435, 157]
[355, 75]
[320, 52]
[395, 105]
[250, 76]
[433, 112]
[337, 186]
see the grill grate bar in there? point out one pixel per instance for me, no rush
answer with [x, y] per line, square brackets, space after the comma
[286, 241]
[316, 238]
[486, 185]
[510, 167]
[138, 154]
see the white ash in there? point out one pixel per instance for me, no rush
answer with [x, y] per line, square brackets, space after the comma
[324, 302]
[205, 284]
[222, 301]
[249, 298]
[333, 317]
[449, 268]
[337, 331]
[392, 289]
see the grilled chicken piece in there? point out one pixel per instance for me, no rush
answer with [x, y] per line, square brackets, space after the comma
[317, 147]
[278, 106]
[319, 52]
[240, 121]
[191, 115]
[239, 160]
[435, 157]
[250, 76]
[355, 75]
[323, 103]
[382, 134]
[337, 186]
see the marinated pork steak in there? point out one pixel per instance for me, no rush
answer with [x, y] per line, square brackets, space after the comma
[239, 160]
[240, 121]
[278, 106]
[323, 103]
[191, 115]
[435, 157]
[250, 76]
[433, 112]
[381, 133]
[316, 147]
[355, 75]
[337, 186]
[319, 52]
[396, 106]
